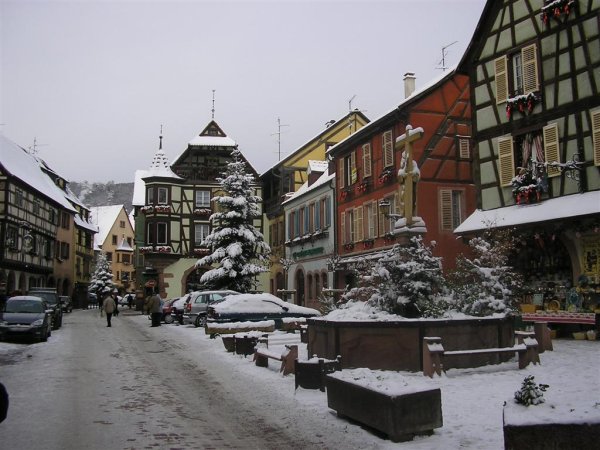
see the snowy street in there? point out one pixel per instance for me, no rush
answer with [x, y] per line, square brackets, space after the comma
[172, 387]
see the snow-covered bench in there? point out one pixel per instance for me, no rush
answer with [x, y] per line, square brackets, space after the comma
[273, 339]
[434, 353]
[287, 358]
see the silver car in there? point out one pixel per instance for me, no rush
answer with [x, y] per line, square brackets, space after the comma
[196, 305]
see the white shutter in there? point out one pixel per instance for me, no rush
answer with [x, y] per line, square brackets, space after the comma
[596, 136]
[388, 149]
[530, 69]
[506, 161]
[343, 228]
[366, 149]
[464, 148]
[360, 225]
[381, 222]
[500, 66]
[551, 148]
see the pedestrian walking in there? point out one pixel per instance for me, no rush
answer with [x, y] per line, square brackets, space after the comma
[130, 300]
[153, 308]
[3, 403]
[109, 307]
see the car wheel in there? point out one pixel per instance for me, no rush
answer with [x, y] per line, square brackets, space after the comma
[169, 318]
[44, 337]
[200, 321]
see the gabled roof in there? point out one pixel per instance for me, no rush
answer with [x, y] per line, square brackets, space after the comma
[305, 188]
[416, 96]
[329, 127]
[17, 162]
[124, 246]
[139, 188]
[104, 218]
[159, 167]
[212, 136]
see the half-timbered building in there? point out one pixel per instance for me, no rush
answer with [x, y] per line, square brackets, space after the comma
[172, 209]
[534, 70]
[370, 199]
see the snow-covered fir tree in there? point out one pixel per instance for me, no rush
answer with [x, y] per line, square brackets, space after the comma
[102, 278]
[486, 283]
[407, 281]
[239, 251]
[530, 392]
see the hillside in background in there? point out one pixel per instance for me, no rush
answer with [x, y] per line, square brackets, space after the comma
[103, 194]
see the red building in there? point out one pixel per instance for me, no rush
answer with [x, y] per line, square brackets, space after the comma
[367, 165]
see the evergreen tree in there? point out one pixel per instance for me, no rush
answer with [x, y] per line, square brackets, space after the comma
[239, 252]
[101, 282]
[486, 283]
[530, 392]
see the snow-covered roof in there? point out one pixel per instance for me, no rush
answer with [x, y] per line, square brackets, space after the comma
[20, 164]
[124, 246]
[305, 188]
[80, 222]
[159, 167]
[417, 93]
[212, 141]
[139, 188]
[104, 217]
[567, 206]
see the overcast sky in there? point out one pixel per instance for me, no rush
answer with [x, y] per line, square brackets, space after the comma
[92, 81]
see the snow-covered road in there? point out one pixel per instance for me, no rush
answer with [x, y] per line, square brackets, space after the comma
[132, 387]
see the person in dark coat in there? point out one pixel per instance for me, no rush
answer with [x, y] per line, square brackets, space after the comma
[3, 403]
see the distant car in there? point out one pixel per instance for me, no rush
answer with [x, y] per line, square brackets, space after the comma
[256, 307]
[196, 306]
[66, 304]
[167, 308]
[177, 308]
[26, 316]
[51, 297]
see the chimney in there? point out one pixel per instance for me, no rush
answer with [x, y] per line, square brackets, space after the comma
[409, 84]
[314, 170]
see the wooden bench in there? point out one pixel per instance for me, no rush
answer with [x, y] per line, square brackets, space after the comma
[541, 333]
[287, 358]
[434, 353]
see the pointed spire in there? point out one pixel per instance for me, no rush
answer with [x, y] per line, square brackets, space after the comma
[213, 108]
[160, 138]
[160, 163]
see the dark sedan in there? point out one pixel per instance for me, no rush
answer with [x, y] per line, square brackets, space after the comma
[26, 316]
[256, 307]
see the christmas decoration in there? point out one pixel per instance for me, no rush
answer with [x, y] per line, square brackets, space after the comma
[556, 8]
[528, 188]
[386, 176]
[531, 393]
[521, 103]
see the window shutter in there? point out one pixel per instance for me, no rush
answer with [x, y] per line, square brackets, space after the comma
[366, 149]
[501, 80]
[530, 69]
[550, 134]
[340, 173]
[446, 209]
[353, 175]
[506, 162]
[343, 228]
[596, 136]
[318, 215]
[388, 149]
[359, 229]
[464, 148]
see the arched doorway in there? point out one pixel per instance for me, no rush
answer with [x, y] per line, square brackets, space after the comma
[192, 281]
[300, 297]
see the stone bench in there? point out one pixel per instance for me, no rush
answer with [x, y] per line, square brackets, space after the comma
[401, 416]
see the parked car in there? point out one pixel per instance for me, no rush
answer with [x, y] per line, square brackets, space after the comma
[51, 297]
[92, 299]
[26, 316]
[66, 304]
[256, 307]
[177, 308]
[197, 305]
[167, 309]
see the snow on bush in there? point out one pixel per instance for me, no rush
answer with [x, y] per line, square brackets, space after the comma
[101, 282]
[530, 392]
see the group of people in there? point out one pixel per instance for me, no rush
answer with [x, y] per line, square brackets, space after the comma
[152, 306]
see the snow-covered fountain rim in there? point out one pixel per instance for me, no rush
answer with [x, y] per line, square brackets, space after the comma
[390, 320]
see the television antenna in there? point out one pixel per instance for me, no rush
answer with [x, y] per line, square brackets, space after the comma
[444, 53]
[278, 133]
[33, 149]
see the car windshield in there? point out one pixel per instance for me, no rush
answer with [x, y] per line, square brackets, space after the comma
[24, 306]
[50, 297]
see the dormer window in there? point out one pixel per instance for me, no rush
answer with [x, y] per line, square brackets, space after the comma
[517, 73]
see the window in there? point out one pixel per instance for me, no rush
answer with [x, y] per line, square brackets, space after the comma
[306, 217]
[129, 241]
[12, 237]
[352, 225]
[201, 230]
[451, 207]
[64, 220]
[36, 207]
[516, 73]
[157, 233]
[311, 217]
[347, 170]
[370, 220]
[162, 196]
[366, 154]
[291, 221]
[121, 223]
[527, 152]
[596, 136]
[202, 199]
[18, 197]
[114, 239]
[64, 250]
[358, 224]
[150, 196]
[387, 148]
[126, 258]
[48, 249]
[52, 216]
[109, 257]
